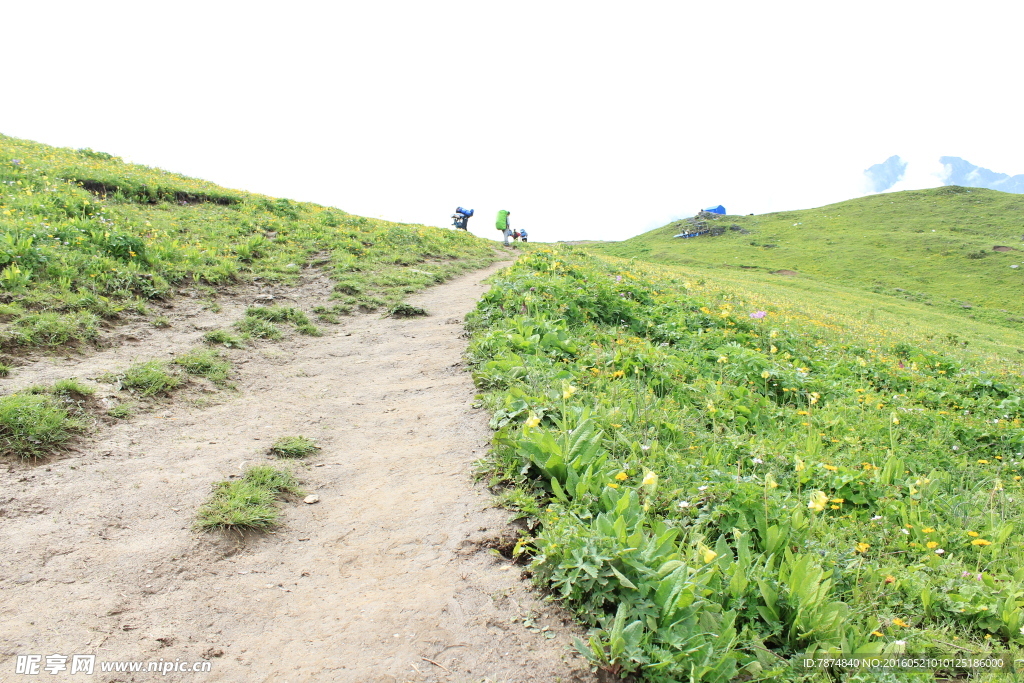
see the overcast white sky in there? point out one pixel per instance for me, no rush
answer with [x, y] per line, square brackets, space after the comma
[587, 120]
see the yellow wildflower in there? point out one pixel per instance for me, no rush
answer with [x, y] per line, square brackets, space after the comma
[863, 547]
[621, 476]
[709, 555]
[765, 374]
[568, 391]
[618, 373]
[818, 500]
[533, 421]
[650, 479]
[876, 633]
[983, 462]
[613, 485]
[973, 533]
[980, 542]
[899, 622]
[831, 468]
[928, 530]
[932, 545]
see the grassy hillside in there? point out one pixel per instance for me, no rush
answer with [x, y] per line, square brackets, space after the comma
[721, 477]
[86, 238]
[930, 246]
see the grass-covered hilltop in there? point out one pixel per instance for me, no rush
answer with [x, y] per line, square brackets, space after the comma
[86, 238]
[948, 247]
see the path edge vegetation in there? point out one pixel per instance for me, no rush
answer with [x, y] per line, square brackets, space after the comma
[716, 484]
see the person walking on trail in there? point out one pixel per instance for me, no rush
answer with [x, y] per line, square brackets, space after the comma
[502, 224]
[461, 218]
[522, 234]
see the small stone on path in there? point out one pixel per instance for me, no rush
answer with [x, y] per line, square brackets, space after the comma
[309, 500]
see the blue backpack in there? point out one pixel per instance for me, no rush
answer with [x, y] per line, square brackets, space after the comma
[465, 212]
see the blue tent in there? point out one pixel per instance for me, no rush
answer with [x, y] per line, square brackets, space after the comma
[716, 209]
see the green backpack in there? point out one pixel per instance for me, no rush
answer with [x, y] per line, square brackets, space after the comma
[502, 222]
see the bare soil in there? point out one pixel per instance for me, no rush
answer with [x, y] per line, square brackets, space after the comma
[387, 578]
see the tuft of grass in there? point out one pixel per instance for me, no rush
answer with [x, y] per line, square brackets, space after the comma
[161, 322]
[249, 503]
[34, 426]
[52, 329]
[205, 363]
[404, 310]
[284, 314]
[259, 328]
[293, 447]
[228, 339]
[121, 411]
[72, 388]
[150, 378]
[5, 369]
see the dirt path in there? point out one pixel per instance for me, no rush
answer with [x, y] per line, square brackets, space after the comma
[380, 577]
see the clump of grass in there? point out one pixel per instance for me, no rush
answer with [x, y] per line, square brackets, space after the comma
[150, 378]
[205, 363]
[121, 411]
[64, 388]
[5, 369]
[53, 329]
[284, 314]
[72, 388]
[33, 425]
[404, 310]
[259, 328]
[228, 339]
[249, 502]
[293, 447]
[161, 322]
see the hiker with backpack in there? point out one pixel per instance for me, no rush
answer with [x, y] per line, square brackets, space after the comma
[522, 234]
[461, 218]
[502, 224]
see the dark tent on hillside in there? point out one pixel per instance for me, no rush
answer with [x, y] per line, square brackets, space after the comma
[716, 209]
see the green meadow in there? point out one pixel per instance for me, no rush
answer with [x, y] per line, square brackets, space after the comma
[86, 239]
[724, 471]
[934, 247]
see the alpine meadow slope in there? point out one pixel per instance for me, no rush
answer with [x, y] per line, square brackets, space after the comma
[937, 247]
[722, 482]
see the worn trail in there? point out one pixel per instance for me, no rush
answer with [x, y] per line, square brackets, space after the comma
[383, 580]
